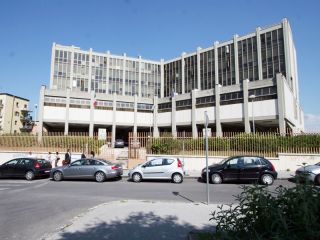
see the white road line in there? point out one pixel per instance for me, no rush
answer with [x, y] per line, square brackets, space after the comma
[1, 189]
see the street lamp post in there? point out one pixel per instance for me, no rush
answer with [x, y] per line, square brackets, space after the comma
[35, 112]
[252, 97]
[152, 110]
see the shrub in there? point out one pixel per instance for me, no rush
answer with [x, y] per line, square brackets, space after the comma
[287, 213]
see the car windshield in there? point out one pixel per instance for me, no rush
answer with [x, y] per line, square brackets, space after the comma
[224, 160]
[318, 164]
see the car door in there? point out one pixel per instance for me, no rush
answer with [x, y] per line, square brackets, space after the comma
[231, 169]
[73, 170]
[167, 167]
[153, 169]
[87, 168]
[8, 169]
[22, 166]
[250, 169]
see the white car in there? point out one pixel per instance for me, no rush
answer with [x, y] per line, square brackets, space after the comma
[159, 168]
[310, 173]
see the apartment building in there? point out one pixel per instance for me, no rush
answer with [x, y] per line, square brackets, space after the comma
[14, 114]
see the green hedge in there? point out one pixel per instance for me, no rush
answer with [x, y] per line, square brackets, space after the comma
[239, 143]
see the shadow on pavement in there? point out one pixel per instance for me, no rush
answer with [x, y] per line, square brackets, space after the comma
[179, 195]
[136, 226]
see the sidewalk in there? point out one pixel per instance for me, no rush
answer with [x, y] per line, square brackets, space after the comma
[135, 220]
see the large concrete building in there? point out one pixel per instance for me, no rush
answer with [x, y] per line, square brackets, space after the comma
[14, 114]
[248, 80]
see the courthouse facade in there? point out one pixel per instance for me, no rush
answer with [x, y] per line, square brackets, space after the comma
[248, 79]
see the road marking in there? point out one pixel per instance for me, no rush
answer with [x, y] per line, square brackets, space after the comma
[1, 189]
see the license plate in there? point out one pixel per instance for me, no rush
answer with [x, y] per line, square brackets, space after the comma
[47, 171]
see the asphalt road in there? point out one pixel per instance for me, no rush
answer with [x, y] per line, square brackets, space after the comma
[29, 210]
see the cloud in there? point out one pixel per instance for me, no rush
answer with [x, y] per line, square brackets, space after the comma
[312, 122]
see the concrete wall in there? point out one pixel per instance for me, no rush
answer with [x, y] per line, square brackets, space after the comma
[104, 116]
[8, 155]
[56, 113]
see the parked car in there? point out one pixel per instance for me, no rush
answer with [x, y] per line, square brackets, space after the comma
[87, 168]
[159, 168]
[310, 173]
[28, 168]
[119, 143]
[241, 168]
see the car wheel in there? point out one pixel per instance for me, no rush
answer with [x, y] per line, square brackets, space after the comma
[317, 180]
[177, 178]
[100, 177]
[57, 176]
[29, 175]
[267, 179]
[136, 177]
[216, 178]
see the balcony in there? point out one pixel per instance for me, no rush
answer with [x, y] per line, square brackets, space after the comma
[26, 128]
[26, 118]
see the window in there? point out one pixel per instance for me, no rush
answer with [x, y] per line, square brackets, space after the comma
[12, 163]
[16, 114]
[78, 163]
[15, 122]
[166, 161]
[250, 161]
[235, 162]
[155, 163]
[17, 104]
[24, 162]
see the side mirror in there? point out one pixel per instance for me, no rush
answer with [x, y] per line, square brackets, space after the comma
[143, 166]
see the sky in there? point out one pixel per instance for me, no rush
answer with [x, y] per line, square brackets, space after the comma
[153, 29]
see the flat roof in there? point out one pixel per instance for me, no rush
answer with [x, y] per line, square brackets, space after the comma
[11, 95]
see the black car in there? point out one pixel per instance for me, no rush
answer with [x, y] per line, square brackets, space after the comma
[241, 168]
[119, 143]
[28, 168]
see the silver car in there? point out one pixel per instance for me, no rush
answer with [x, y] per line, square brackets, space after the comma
[87, 168]
[159, 168]
[309, 173]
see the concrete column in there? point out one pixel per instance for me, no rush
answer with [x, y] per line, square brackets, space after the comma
[155, 117]
[66, 123]
[162, 78]
[107, 72]
[217, 91]
[236, 59]
[71, 68]
[139, 91]
[40, 113]
[135, 122]
[193, 114]
[90, 70]
[198, 69]
[281, 103]
[173, 117]
[91, 124]
[53, 53]
[216, 69]
[259, 52]
[245, 106]
[287, 52]
[182, 73]
[217, 111]
[124, 74]
[114, 110]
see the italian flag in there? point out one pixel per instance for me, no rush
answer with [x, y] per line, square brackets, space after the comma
[95, 100]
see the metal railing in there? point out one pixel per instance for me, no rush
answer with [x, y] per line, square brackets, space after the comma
[268, 144]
